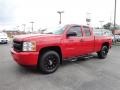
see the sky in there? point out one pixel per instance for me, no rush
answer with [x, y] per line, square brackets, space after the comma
[14, 13]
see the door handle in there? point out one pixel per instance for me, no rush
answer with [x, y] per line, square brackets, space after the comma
[81, 40]
[108, 39]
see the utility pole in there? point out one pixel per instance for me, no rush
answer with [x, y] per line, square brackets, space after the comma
[60, 12]
[88, 19]
[110, 19]
[115, 15]
[24, 25]
[32, 25]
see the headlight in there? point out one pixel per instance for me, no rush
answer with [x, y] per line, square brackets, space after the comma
[29, 46]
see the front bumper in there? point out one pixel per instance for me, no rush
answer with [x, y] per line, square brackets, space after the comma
[3, 41]
[25, 58]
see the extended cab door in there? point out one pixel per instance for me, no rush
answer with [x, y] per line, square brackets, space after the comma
[88, 40]
[72, 44]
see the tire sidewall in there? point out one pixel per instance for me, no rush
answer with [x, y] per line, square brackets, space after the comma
[100, 54]
[41, 61]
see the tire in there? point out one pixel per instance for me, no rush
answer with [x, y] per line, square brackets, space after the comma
[103, 52]
[5, 42]
[49, 62]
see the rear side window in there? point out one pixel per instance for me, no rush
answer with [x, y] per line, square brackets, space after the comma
[87, 31]
[97, 32]
[76, 29]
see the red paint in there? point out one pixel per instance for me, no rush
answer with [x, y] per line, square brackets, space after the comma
[25, 58]
[70, 46]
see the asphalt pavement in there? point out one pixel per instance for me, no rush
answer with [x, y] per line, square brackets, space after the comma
[85, 74]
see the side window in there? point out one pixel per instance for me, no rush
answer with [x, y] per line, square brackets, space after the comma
[87, 31]
[97, 32]
[76, 29]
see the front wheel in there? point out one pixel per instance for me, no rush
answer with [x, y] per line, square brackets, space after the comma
[49, 62]
[103, 52]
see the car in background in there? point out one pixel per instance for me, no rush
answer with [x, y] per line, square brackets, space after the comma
[117, 38]
[3, 38]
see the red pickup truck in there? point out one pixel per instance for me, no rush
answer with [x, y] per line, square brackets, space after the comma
[47, 51]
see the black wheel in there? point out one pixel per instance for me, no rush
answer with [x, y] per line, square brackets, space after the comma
[103, 52]
[49, 62]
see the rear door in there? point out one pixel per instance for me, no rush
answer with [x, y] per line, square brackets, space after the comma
[88, 41]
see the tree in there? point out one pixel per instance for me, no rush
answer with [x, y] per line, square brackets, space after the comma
[110, 26]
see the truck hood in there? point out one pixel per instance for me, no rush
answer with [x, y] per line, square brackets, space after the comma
[35, 37]
[3, 36]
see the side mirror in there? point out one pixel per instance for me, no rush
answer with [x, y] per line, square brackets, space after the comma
[71, 34]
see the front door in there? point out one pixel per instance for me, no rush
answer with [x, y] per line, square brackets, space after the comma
[73, 44]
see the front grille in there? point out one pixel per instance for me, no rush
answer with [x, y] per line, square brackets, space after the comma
[17, 45]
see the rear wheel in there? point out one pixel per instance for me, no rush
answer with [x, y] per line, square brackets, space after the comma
[49, 62]
[103, 52]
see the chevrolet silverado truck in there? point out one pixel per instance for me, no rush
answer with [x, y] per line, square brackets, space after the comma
[48, 50]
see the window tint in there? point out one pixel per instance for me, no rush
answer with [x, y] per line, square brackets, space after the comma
[97, 32]
[76, 29]
[87, 31]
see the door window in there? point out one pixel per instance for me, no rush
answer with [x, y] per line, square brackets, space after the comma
[87, 31]
[76, 29]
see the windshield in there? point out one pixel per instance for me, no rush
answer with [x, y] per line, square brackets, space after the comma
[55, 30]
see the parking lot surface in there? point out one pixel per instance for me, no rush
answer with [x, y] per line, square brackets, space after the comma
[85, 74]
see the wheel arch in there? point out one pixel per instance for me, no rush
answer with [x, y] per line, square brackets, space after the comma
[51, 48]
[105, 44]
